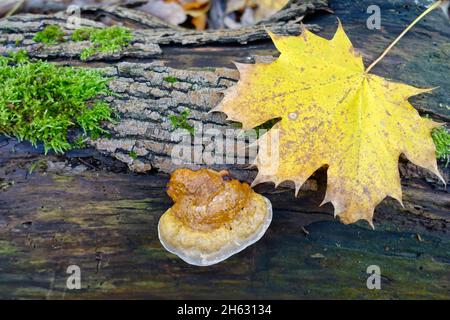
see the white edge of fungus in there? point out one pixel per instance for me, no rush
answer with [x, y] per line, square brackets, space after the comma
[221, 255]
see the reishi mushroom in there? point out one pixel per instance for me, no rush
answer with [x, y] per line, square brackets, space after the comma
[213, 216]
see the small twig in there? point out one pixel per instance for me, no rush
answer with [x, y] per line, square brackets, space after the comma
[418, 237]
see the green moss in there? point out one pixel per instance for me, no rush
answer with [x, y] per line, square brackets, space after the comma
[441, 138]
[51, 34]
[180, 121]
[133, 155]
[41, 102]
[107, 40]
[171, 79]
[89, 119]
[266, 126]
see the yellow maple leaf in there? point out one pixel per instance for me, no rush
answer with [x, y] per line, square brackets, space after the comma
[335, 114]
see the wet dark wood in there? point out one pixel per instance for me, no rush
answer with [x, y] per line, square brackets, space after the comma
[106, 223]
[103, 218]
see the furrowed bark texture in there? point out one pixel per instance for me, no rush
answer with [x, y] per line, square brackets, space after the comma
[71, 211]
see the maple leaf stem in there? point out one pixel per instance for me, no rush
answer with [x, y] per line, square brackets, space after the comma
[385, 52]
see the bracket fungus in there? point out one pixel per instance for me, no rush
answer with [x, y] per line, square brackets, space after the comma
[213, 217]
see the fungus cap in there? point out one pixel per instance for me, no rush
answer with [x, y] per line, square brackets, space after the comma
[213, 217]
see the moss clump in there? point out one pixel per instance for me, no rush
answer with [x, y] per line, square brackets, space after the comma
[41, 102]
[180, 121]
[52, 34]
[441, 138]
[107, 40]
[133, 155]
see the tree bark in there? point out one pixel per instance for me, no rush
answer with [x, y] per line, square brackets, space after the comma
[106, 222]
